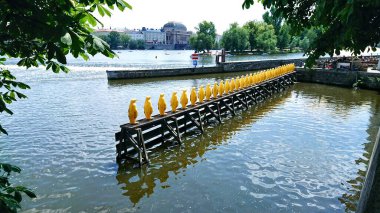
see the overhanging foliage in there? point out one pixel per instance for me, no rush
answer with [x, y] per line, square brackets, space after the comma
[350, 25]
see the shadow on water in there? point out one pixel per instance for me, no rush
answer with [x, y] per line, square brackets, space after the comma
[341, 103]
[174, 160]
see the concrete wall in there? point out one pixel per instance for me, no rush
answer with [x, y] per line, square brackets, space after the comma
[222, 68]
[259, 65]
[370, 179]
[339, 78]
[131, 74]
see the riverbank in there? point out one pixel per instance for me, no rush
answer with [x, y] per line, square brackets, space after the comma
[361, 79]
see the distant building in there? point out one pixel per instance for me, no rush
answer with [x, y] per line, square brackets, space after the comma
[177, 35]
[152, 36]
[218, 38]
[135, 35]
[173, 35]
[106, 31]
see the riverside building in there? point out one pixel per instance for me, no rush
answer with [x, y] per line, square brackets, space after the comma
[172, 36]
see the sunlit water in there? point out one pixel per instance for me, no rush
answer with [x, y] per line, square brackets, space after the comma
[304, 150]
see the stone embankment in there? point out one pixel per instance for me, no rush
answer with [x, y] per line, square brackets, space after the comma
[222, 68]
[367, 80]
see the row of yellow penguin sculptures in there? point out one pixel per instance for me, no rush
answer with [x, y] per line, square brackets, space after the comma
[215, 91]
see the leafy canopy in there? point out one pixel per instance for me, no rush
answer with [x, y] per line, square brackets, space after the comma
[266, 38]
[41, 32]
[346, 24]
[204, 39]
[235, 38]
[251, 27]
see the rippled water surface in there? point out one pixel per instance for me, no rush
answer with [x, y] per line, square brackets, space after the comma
[304, 150]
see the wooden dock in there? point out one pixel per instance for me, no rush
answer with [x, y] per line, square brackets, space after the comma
[133, 141]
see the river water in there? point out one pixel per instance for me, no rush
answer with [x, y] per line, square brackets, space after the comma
[303, 150]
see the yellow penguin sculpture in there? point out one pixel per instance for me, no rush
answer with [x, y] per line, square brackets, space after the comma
[148, 108]
[132, 112]
[208, 92]
[238, 85]
[162, 104]
[227, 87]
[201, 94]
[193, 96]
[184, 99]
[174, 102]
[233, 85]
[221, 88]
[242, 81]
[215, 90]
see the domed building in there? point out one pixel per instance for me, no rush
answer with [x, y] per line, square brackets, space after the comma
[176, 26]
[177, 35]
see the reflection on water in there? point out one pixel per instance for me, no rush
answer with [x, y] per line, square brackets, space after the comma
[141, 182]
[314, 161]
[303, 151]
[342, 102]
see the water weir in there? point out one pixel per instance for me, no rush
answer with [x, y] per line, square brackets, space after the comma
[137, 136]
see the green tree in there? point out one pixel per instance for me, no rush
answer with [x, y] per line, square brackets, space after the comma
[204, 39]
[124, 40]
[266, 38]
[42, 33]
[304, 44]
[284, 37]
[114, 38]
[132, 44]
[105, 38]
[235, 39]
[271, 18]
[347, 25]
[295, 41]
[140, 44]
[251, 27]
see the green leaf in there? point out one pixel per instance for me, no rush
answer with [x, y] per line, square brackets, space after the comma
[60, 56]
[124, 4]
[91, 19]
[18, 196]
[12, 95]
[98, 44]
[100, 10]
[29, 193]
[64, 69]
[3, 130]
[7, 168]
[107, 12]
[84, 56]
[22, 85]
[15, 168]
[20, 95]
[66, 39]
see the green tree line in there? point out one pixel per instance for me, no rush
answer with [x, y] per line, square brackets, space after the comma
[270, 35]
[117, 40]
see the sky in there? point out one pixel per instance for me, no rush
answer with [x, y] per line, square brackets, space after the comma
[155, 13]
